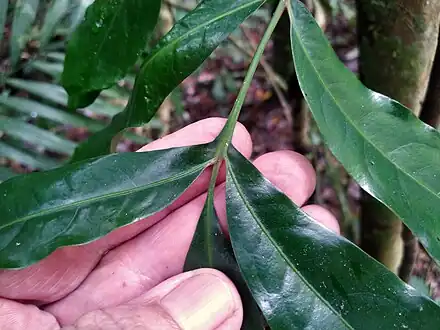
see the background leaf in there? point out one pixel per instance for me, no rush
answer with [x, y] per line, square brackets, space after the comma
[3, 15]
[392, 154]
[304, 276]
[81, 202]
[53, 17]
[108, 42]
[24, 15]
[22, 157]
[35, 108]
[176, 56]
[23, 131]
[77, 14]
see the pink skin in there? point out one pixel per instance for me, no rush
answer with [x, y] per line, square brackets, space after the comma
[125, 280]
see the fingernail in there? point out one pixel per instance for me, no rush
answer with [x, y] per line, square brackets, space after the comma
[201, 302]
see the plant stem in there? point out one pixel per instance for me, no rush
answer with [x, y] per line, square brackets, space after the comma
[224, 138]
[431, 106]
[225, 135]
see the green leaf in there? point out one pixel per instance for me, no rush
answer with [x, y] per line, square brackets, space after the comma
[211, 249]
[56, 12]
[29, 133]
[176, 56]
[24, 15]
[108, 42]
[304, 276]
[81, 202]
[3, 15]
[6, 173]
[22, 157]
[82, 100]
[392, 154]
[35, 109]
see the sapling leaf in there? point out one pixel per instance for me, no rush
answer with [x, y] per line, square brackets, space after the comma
[80, 202]
[54, 15]
[3, 16]
[23, 131]
[25, 12]
[211, 249]
[391, 153]
[175, 57]
[108, 41]
[31, 160]
[302, 275]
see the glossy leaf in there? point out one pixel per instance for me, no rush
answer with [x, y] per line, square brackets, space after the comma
[22, 157]
[211, 249]
[54, 15]
[3, 15]
[388, 151]
[81, 202]
[108, 42]
[304, 276]
[35, 109]
[29, 133]
[24, 15]
[176, 56]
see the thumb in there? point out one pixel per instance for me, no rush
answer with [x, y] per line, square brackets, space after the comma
[204, 299]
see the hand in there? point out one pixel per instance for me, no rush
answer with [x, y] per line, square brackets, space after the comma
[132, 278]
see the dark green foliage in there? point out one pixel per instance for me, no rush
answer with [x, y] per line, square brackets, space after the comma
[304, 276]
[83, 201]
[175, 57]
[108, 42]
[392, 154]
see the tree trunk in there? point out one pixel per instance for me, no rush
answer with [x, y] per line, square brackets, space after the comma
[431, 107]
[398, 40]
[284, 67]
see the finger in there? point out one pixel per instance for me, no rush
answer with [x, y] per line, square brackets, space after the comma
[289, 171]
[15, 316]
[204, 299]
[323, 216]
[134, 267]
[125, 273]
[60, 273]
[201, 132]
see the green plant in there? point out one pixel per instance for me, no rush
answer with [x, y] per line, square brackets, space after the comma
[298, 273]
[33, 106]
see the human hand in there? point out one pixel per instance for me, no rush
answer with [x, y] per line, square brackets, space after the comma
[132, 278]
